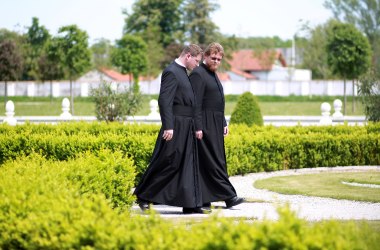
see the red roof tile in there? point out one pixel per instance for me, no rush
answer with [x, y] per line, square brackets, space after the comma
[246, 60]
[223, 76]
[243, 74]
[116, 76]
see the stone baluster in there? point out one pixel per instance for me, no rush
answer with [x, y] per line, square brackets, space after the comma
[9, 113]
[337, 107]
[65, 109]
[153, 104]
[325, 108]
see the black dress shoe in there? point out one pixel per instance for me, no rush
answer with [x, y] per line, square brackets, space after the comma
[144, 205]
[196, 210]
[207, 205]
[234, 201]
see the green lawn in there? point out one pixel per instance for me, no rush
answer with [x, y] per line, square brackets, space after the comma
[326, 185]
[292, 106]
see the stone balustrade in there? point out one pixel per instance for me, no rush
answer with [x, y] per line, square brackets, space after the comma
[154, 116]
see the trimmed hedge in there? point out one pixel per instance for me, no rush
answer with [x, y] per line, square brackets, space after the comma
[248, 148]
[83, 201]
[47, 204]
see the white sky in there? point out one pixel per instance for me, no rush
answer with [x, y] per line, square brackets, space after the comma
[104, 18]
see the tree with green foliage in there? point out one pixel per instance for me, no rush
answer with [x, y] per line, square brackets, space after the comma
[155, 59]
[76, 54]
[36, 37]
[130, 56]
[263, 42]
[349, 53]
[11, 63]
[369, 90]
[115, 104]
[101, 51]
[50, 63]
[365, 15]
[315, 57]
[247, 111]
[198, 25]
[163, 14]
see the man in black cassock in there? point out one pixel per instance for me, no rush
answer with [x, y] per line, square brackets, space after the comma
[172, 177]
[211, 127]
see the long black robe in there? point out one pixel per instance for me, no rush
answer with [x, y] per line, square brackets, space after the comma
[215, 185]
[172, 175]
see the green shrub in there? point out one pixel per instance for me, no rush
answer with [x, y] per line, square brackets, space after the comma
[369, 90]
[115, 104]
[247, 111]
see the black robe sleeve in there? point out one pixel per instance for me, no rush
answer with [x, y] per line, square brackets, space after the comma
[199, 87]
[168, 88]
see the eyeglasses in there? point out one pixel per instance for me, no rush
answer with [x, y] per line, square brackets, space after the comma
[215, 59]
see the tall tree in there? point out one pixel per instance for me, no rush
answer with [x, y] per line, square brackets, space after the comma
[37, 36]
[349, 53]
[198, 25]
[155, 59]
[130, 56]
[101, 51]
[10, 63]
[76, 54]
[164, 14]
[315, 57]
[365, 15]
[50, 63]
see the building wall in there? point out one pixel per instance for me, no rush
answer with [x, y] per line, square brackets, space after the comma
[257, 87]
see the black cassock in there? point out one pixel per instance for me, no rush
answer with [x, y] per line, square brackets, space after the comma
[215, 185]
[172, 175]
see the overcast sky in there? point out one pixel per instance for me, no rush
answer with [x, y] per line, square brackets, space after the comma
[104, 18]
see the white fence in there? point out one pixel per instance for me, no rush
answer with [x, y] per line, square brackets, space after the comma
[326, 117]
[277, 88]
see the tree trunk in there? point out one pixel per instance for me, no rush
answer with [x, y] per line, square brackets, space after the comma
[345, 96]
[51, 91]
[353, 97]
[5, 93]
[72, 97]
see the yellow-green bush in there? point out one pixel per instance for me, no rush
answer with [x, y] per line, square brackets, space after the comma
[47, 204]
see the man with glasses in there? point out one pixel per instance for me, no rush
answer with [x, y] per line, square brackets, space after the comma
[172, 176]
[211, 127]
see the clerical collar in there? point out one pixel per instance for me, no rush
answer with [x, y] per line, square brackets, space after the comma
[179, 62]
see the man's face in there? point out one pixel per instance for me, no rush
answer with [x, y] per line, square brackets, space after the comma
[193, 61]
[213, 61]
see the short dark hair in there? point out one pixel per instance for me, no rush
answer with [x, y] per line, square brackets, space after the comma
[193, 49]
[214, 48]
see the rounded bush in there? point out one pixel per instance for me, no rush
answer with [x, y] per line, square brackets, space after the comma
[247, 111]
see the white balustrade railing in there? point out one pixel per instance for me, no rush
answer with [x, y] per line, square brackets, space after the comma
[154, 116]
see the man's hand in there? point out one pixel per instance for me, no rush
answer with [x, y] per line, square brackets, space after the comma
[199, 134]
[168, 134]
[225, 132]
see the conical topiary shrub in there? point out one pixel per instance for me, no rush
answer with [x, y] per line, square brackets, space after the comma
[247, 111]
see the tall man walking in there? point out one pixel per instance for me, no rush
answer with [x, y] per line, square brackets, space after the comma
[172, 177]
[211, 127]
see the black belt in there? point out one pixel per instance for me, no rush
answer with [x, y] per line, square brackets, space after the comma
[183, 110]
[210, 105]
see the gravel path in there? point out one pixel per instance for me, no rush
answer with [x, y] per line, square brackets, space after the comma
[310, 208]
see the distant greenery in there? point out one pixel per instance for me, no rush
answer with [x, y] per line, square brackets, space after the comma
[269, 105]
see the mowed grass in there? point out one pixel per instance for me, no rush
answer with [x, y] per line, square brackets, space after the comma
[290, 106]
[326, 185]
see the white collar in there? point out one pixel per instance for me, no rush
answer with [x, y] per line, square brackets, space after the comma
[179, 62]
